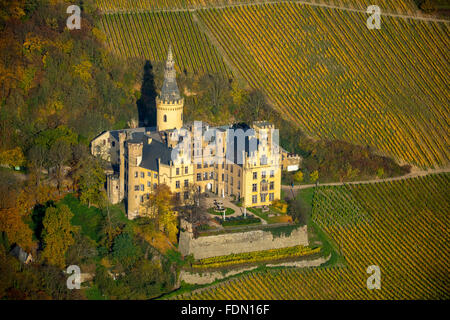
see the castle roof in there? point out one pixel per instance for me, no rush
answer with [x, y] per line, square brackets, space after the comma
[169, 91]
[152, 151]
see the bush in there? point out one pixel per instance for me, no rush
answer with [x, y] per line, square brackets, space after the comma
[237, 221]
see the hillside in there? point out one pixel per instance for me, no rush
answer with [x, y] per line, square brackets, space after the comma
[399, 226]
[398, 6]
[147, 36]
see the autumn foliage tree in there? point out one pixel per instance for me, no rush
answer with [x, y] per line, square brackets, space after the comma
[58, 234]
[159, 207]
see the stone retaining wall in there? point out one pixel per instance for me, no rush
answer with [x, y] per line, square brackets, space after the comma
[208, 277]
[239, 242]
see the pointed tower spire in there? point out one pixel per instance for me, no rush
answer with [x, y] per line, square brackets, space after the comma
[169, 91]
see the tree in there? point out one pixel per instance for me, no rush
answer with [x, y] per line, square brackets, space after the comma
[298, 176]
[37, 156]
[159, 207]
[194, 207]
[314, 176]
[124, 250]
[58, 234]
[82, 249]
[17, 231]
[257, 103]
[428, 6]
[13, 157]
[216, 91]
[91, 180]
[59, 155]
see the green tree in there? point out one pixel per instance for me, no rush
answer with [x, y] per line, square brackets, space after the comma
[124, 250]
[298, 176]
[58, 234]
[91, 179]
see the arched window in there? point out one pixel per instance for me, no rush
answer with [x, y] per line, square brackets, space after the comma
[165, 118]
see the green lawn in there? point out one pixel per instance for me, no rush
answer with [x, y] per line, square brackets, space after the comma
[89, 219]
[228, 211]
[265, 215]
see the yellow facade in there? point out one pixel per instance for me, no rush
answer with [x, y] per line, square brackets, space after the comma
[169, 115]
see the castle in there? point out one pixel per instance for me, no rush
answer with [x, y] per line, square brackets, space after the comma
[240, 161]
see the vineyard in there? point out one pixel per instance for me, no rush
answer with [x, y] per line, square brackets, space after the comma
[404, 231]
[386, 88]
[255, 256]
[321, 67]
[397, 6]
[148, 35]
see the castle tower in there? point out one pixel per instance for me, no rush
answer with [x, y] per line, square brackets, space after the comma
[169, 104]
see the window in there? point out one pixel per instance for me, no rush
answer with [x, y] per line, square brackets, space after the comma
[177, 171]
[239, 184]
[231, 180]
[205, 165]
[211, 175]
[186, 170]
[271, 197]
[271, 187]
[263, 175]
[142, 174]
[155, 176]
[165, 118]
[272, 173]
[149, 174]
[263, 197]
[186, 183]
[149, 184]
[263, 186]
[223, 177]
[177, 184]
[254, 187]
[113, 144]
[199, 177]
[205, 176]
[263, 160]
[231, 169]
[142, 187]
[142, 198]
[254, 199]
[136, 174]
[239, 172]
[186, 195]
[154, 186]
[136, 188]
[177, 195]
[199, 165]
[255, 175]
